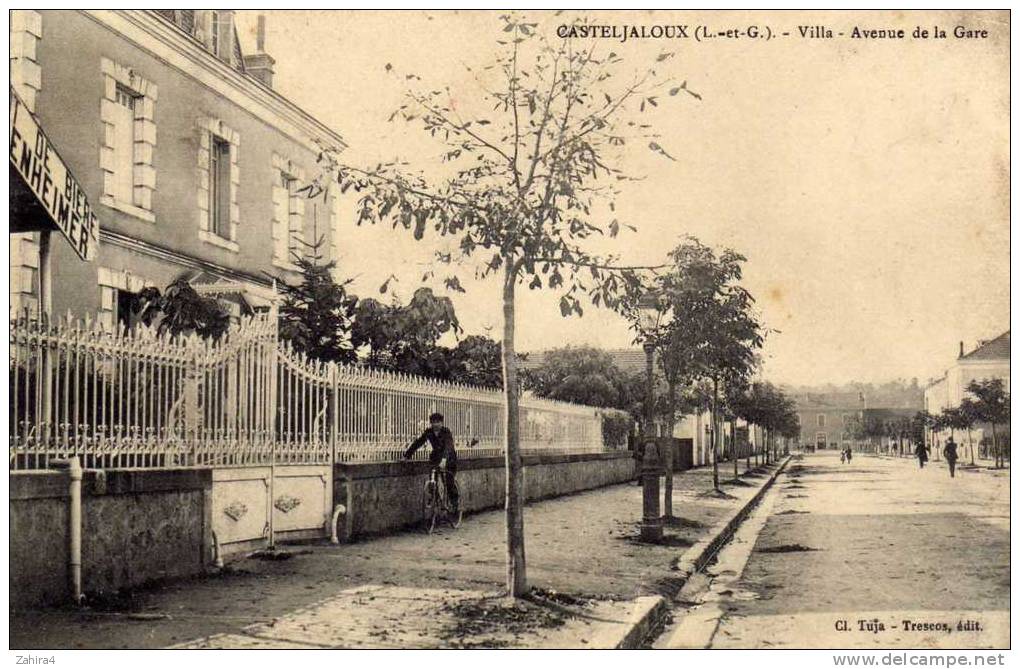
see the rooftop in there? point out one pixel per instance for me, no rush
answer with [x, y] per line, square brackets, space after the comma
[996, 349]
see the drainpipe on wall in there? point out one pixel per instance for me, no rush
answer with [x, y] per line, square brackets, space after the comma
[345, 511]
[74, 476]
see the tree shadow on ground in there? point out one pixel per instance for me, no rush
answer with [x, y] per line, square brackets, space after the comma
[485, 622]
[669, 540]
[786, 548]
[677, 521]
[716, 494]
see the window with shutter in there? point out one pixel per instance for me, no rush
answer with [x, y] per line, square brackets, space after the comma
[126, 156]
[219, 187]
[124, 145]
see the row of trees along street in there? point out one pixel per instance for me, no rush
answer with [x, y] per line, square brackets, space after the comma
[533, 166]
[988, 404]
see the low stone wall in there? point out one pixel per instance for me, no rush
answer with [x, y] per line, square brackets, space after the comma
[386, 496]
[137, 526]
[140, 526]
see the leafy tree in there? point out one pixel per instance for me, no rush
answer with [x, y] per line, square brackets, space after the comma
[580, 374]
[476, 361]
[991, 404]
[970, 415]
[405, 338]
[954, 419]
[317, 312]
[706, 327]
[734, 395]
[526, 183]
[749, 404]
[180, 310]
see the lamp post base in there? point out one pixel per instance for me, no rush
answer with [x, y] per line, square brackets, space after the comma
[651, 517]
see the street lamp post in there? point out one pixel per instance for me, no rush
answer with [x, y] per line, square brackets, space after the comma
[651, 519]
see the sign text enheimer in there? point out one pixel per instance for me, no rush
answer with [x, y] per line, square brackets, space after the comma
[35, 159]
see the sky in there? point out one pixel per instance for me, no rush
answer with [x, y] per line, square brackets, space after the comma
[866, 181]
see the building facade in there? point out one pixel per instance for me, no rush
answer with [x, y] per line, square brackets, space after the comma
[988, 360]
[191, 161]
[827, 419]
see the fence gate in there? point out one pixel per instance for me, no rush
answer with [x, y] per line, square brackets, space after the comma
[267, 430]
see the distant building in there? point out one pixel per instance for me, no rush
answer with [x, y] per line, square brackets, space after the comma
[827, 419]
[831, 416]
[988, 360]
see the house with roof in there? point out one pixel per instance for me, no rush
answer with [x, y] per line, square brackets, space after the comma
[190, 159]
[988, 360]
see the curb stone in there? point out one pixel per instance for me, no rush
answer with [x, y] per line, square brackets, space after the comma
[652, 612]
[649, 612]
[701, 553]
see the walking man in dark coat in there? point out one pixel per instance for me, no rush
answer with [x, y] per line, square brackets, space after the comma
[950, 453]
[922, 453]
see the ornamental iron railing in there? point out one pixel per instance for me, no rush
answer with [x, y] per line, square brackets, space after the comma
[135, 398]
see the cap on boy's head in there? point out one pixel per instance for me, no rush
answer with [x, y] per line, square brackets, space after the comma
[436, 418]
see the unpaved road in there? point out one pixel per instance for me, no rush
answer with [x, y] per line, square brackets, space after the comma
[871, 554]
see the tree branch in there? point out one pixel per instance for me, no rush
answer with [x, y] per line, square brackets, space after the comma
[596, 265]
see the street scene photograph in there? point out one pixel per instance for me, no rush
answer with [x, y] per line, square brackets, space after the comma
[660, 330]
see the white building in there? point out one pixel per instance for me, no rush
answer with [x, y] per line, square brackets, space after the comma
[990, 360]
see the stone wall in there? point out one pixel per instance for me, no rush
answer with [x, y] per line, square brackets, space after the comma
[387, 496]
[140, 526]
[38, 538]
[137, 526]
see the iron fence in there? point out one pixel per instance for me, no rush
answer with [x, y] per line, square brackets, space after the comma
[138, 399]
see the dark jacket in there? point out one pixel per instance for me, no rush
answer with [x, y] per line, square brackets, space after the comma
[949, 452]
[442, 446]
[921, 451]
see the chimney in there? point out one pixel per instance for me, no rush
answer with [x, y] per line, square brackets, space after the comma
[260, 64]
[961, 349]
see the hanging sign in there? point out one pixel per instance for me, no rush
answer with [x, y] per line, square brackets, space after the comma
[53, 189]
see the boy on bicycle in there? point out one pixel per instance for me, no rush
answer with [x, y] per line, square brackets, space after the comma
[441, 440]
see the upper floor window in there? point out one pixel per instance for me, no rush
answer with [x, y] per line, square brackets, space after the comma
[219, 177]
[821, 420]
[219, 187]
[129, 140]
[289, 241]
[214, 16]
[124, 143]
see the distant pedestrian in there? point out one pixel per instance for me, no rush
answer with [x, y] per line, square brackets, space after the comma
[950, 454]
[849, 453]
[922, 454]
[842, 456]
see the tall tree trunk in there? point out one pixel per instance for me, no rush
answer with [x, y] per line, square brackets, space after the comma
[748, 463]
[970, 442]
[715, 433]
[995, 446]
[733, 447]
[516, 573]
[667, 489]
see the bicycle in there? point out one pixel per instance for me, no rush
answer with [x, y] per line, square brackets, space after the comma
[436, 502]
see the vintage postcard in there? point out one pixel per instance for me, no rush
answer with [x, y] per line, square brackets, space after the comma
[515, 329]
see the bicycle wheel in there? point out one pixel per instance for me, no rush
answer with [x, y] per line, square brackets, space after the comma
[455, 518]
[430, 506]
